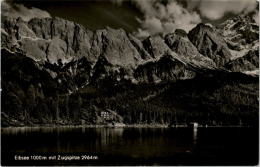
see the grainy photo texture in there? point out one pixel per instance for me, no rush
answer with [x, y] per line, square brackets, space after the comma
[129, 82]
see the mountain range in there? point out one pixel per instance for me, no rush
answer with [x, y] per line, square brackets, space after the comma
[56, 71]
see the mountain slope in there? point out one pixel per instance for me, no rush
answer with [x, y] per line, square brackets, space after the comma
[180, 44]
[210, 44]
[242, 36]
[58, 72]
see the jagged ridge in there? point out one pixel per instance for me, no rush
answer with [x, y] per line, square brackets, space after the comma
[53, 66]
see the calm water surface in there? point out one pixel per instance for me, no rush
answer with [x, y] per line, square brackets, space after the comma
[132, 146]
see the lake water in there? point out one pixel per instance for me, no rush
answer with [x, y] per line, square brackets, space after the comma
[130, 146]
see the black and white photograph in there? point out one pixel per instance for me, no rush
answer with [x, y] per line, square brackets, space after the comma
[129, 82]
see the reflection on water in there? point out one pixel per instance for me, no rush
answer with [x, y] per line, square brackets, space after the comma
[26, 130]
[137, 141]
[152, 146]
[109, 136]
[195, 134]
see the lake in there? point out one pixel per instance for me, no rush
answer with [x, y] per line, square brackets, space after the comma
[130, 146]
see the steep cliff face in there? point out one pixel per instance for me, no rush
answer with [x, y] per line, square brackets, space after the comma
[242, 36]
[180, 44]
[63, 47]
[248, 62]
[54, 69]
[240, 32]
[210, 44]
[52, 39]
[109, 52]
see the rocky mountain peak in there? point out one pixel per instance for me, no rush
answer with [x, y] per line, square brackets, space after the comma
[210, 43]
[179, 43]
[156, 46]
[72, 53]
[181, 32]
[241, 33]
[53, 39]
[57, 72]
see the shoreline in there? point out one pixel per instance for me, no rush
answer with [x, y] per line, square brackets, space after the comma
[128, 126]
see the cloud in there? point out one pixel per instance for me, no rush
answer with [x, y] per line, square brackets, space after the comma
[152, 23]
[19, 10]
[216, 9]
[164, 18]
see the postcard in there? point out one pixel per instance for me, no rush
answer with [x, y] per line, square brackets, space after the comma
[129, 82]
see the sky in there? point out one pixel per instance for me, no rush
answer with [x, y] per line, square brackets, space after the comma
[141, 17]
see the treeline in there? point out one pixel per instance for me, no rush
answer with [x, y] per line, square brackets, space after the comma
[180, 103]
[31, 96]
